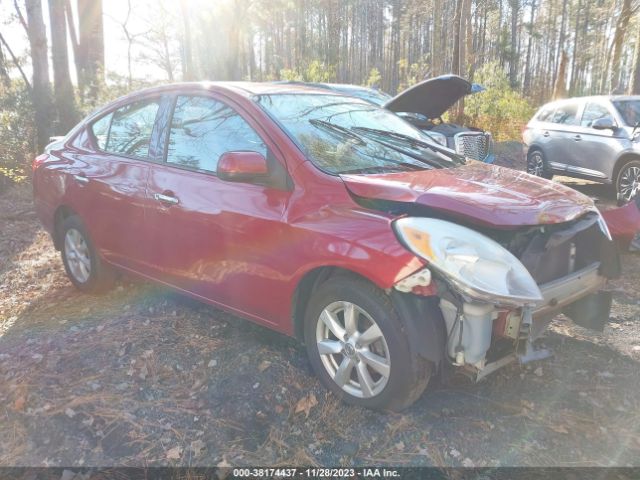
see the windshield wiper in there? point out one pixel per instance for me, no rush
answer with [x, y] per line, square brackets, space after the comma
[412, 141]
[337, 129]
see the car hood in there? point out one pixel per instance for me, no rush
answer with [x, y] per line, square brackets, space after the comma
[432, 97]
[477, 193]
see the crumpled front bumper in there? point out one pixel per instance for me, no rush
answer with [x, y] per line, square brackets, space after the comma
[564, 292]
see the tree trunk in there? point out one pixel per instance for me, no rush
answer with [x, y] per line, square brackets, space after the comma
[4, 69]
[187, 57]
[455, 59]
[513, 57]
[634, 88]
[91, 43]
[527, 68]
[40, 65]
[618, 38]
[64, 98]
[574, 55]
[560, 89]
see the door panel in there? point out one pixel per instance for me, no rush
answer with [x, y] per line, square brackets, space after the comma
[598, 149]
[115, 203]
[564, 134]
[215, 239]
[220, 241]
[110, 184]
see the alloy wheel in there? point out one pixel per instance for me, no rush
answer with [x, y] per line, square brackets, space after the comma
[629, 185]
[535, 165]
[76, 252]
[353, 349]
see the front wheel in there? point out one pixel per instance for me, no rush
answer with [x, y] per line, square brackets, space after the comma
[358, 347]
[82, 263]
[628, 181]
[537, 165]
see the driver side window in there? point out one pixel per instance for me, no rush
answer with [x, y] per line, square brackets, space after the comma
[593, 112]
[202, 129]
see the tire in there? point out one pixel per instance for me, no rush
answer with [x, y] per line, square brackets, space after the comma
[537, 165]
[628, 182]
[407, 375]
[83, 264]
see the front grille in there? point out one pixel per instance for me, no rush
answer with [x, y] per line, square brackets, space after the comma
[473, 145]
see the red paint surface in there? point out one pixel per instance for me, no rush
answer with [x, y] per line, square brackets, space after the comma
[246, 247]
[623, 222]
[486, 195]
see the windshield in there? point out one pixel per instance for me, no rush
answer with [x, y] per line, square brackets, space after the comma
[629, 111]
[346, 135]
[372, 96]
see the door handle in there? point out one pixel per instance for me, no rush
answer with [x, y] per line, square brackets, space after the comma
[81, 179]
[167, 199]
[545, 134]
[577, 138]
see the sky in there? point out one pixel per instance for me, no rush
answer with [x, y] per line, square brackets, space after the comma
[115, 43]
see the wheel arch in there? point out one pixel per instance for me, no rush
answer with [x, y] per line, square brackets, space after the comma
[309, 281]
[623, 159]
[422, 316]
[61, 214]
[535, 147]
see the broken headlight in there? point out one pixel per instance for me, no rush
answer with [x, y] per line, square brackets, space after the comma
[478, 266]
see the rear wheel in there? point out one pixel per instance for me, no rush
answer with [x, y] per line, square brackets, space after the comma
[537, 165]
[628, 181]
[81, 261]
[358, 347]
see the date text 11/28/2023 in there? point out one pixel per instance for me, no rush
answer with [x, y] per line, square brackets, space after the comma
[373, 472]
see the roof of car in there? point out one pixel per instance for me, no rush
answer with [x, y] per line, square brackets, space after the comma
[247, 89]
[595, 97]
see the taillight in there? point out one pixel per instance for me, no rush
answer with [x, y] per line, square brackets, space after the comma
[39, 160]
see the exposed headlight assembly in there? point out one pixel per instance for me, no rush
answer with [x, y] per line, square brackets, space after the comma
[478, 266]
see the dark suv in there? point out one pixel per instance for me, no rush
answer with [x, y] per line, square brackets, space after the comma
[597, 138]
[424, 105]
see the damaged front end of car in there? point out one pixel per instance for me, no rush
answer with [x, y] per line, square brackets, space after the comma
[498, 290]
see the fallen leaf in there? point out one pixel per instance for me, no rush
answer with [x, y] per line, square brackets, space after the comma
[174, 453]
[264, 365]
[558, 428]
[305, 404]
[196, 447]
[20, 401]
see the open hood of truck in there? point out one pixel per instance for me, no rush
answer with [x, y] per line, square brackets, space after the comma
[432, 97]
[477, 193]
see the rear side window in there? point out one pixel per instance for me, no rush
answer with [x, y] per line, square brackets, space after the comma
[592, 112]
[100, 130]
[202, 129]
[566, 114]
[545, 114]
[127, 131]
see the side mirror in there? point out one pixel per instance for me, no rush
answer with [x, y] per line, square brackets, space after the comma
[604, 123]
[242, 167]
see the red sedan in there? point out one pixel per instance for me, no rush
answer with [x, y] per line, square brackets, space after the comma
[324, 217]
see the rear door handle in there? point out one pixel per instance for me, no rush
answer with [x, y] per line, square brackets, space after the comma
[577, 138]
[81, 179]
[545, 134]
[166, 199]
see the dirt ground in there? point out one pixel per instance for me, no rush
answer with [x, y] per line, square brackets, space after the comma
[143, 376]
